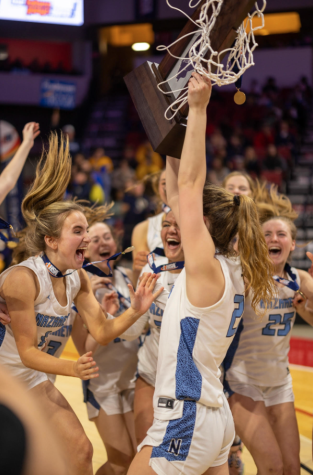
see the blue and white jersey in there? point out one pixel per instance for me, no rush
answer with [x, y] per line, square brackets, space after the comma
[58, 339]
[50, 316]
[148, 353]
[260, 355]
[194, 342]
[117, 361]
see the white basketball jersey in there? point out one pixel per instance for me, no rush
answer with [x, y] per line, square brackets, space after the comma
[117, 361]
[50, 315]
[58, 339]
[154, 232]
[194, 342]
[148, 353]
[261, 356]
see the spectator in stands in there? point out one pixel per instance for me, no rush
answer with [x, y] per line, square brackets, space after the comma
[102, 167]
[122, 175]
[273, 161]
[100, 160]
[138, 208]
[270, 88]
[219, 171]
[264, 138]
[81, 163]
[251, 162]
[218, 141]
[130, 155]
[81, 186]
[235, 146]
[148, 160]
[69, 131]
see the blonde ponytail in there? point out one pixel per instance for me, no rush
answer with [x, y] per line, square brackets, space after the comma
[53, 173]
[271, 204]
[256, 265]
[43, 208]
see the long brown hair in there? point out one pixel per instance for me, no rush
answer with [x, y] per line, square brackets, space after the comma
[43, 207]
[271, 203]
[230, 215]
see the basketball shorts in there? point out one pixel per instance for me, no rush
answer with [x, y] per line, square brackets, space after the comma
[148, 375]
[270, 395]
[200, 439]
[29, 377]
[114, 403]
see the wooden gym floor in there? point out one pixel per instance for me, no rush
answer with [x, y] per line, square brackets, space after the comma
[303, 389]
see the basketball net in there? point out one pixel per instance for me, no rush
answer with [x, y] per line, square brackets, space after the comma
[239, 59]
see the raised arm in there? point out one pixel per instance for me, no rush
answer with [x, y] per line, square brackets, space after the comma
[12, 171]
[104, 330]
[202, 269]
[172, 170]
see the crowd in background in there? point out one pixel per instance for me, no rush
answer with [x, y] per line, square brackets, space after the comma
[261, 138]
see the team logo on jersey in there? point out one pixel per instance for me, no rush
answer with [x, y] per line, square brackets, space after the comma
[166, 403]
[175, 446]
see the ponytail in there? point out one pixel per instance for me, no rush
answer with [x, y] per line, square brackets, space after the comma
[228, 216]
[272, 204]
[256, 265]
[43, 208]
[53, 174]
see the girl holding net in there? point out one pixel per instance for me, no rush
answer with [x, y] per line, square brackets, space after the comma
[193, 428]
[39, 293]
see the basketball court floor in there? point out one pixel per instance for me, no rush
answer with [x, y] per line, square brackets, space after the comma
[302, 384]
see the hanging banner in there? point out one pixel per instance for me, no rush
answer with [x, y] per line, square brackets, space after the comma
[58, 94]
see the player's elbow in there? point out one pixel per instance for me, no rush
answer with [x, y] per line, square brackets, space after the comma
[190, 180]
[103, 337]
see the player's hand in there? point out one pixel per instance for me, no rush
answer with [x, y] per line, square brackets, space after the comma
[110, 303]
[199, 91]
[299, 302]
[140, 260]
[310, 256]
[4, 314]
[30, 132]
[99, 282]
[142, 299]
[85, 367]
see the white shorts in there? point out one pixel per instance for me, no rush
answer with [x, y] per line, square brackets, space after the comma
[270, 395]
[114, 403]
[148, 376]
[27, 376]
[192, 444]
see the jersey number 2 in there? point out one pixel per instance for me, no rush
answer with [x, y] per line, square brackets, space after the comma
[278, 319]
[237, 314]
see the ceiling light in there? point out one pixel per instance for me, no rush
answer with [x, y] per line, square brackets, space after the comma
[140, 46]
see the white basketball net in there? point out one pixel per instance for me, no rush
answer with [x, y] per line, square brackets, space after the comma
[240, 56]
